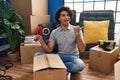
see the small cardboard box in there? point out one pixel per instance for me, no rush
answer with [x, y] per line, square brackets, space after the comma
[33, 7]
[27, 53]
[117, 70]
[49, 67]
[101, 60]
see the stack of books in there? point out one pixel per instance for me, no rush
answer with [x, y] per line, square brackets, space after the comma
[29, 41]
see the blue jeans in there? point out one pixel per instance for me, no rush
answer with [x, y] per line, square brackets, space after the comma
[73, 63]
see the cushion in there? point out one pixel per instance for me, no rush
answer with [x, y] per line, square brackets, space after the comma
[95, 30]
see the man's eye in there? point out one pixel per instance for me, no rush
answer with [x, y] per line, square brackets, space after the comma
[67, 14]
[63, 15]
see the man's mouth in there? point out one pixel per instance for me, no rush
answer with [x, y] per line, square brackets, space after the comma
[66, 21]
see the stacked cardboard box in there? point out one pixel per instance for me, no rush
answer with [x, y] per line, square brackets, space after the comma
[103, 61]
[28, 49]
[33, 13]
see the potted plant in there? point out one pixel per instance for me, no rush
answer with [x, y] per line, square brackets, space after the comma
[11, 24]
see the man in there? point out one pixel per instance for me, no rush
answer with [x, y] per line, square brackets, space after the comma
[69, 41]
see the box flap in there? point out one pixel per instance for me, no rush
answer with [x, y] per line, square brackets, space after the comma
[55, 61]
[47, 61]
[40, 62]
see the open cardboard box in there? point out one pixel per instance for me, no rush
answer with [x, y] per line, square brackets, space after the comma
[49, 67]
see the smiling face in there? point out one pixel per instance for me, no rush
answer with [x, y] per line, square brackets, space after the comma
[64, 18]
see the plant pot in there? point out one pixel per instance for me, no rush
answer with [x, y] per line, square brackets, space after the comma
[13, 56]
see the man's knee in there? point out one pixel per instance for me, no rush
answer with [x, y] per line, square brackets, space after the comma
[78, 66]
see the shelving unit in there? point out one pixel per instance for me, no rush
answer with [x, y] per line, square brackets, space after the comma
[3, 44]
[4, 47]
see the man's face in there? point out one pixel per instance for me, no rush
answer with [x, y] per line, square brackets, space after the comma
[64, 18]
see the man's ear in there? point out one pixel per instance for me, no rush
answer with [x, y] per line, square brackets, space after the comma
[59, 19]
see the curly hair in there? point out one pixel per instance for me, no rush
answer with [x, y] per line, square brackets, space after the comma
[63, 8]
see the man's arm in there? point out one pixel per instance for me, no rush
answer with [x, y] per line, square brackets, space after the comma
[47, 48]
[79, 39]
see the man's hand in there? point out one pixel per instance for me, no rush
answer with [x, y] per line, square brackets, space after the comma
[79, 39]
[77, 29]
[38, 38]
[46, 47]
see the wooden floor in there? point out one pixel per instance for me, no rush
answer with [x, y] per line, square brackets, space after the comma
[25, 72]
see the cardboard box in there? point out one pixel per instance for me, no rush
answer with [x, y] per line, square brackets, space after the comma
[103, 61]
[33, 7]
[49, 67]
[117, 70]
[27, 53]
[32, 21]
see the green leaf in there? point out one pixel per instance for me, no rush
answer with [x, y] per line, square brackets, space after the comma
[15, 26]
[22, 33]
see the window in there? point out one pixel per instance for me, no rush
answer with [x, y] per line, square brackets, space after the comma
[81, 5]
